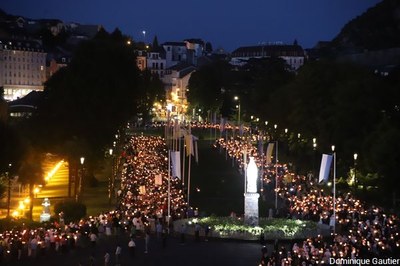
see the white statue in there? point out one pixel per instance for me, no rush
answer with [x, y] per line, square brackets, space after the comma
[252, 175]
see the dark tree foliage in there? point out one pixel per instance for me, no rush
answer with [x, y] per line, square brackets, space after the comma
[346, 106]
[213, 87]
[257, 81]
[96, 94]
[31, 172]
[155, 43]
[206, 86]
[208, 47]
[12, 147]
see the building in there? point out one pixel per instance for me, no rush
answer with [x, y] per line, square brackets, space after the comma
[173, 63]
[292, 54]
[141, 60]
[156, 62]
[176, 81]
[22, 67]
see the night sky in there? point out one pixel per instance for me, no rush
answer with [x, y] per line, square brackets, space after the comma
[226, 24]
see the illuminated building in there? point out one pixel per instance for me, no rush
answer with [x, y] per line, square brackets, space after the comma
[22, 67]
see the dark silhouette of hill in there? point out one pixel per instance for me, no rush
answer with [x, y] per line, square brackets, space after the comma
[377, 28]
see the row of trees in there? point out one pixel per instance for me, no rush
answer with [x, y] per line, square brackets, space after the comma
[83, 106]
[336, 103]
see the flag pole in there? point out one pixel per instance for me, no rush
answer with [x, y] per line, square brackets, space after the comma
[183, 163]
[245, 169]
[190, 162]
[169, 186]
[334, 189]
[276, 176]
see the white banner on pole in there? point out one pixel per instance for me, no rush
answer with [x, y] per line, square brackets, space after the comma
[176, 164]
[270, 149]
[325, 167]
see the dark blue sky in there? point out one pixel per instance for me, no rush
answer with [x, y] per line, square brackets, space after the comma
[226, 24]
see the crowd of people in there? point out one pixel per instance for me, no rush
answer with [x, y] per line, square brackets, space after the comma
[144, 182]
[357, 231]
[142, 207]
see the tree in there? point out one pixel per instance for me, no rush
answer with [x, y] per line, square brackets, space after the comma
[155, 43]
[31, 173]
[92, 97]
[208, 47]
[206, 85]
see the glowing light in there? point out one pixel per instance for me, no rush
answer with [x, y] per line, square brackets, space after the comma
[54, 170]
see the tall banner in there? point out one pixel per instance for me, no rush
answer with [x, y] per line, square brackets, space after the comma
[222, 125]
[325, 167]
[241, 130]
[260, 145]
[196, 152]
[270, 149]
[177, 132]
[215, 118]
[176, 164]
[189, 144]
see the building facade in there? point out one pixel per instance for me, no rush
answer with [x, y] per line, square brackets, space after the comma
[176, 81]
[292, 54]
[22, 68]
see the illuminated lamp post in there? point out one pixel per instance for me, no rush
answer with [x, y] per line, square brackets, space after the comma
[236, 98]
[9, 190]
[82, 160]
[144, 36]
[334, 188]
[110, 151]
[314, 154]
[355, 155]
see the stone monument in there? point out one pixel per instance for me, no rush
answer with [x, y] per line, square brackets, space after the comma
[251, 196]
[45, 215]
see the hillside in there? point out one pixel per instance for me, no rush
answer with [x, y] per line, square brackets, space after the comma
[377, 28]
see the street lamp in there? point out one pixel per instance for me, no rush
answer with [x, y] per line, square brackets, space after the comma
[314, 145]
[110, 151]
[9, 190]
[236, 98]
[334, 188]
[82, 160]
[36, 191]
[144, 36]
[355, 155]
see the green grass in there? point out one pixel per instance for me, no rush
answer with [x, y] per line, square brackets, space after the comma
[96, 199]
[272, 228]
[221, 185]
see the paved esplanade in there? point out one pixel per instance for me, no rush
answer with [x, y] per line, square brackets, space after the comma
[214, 252]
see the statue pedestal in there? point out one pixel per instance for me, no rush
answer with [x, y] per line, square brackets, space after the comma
[251, 208]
